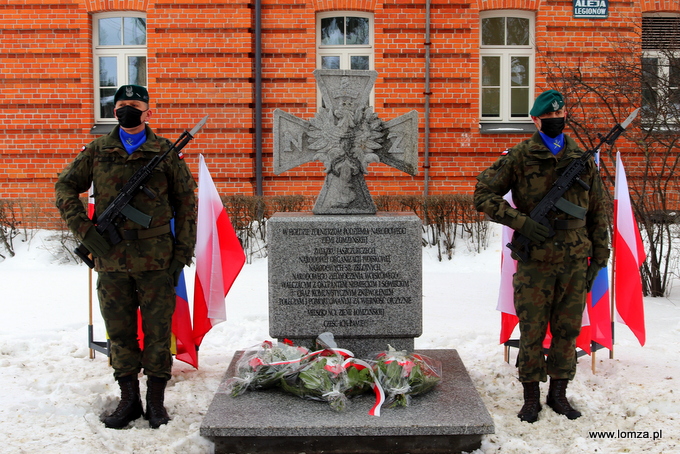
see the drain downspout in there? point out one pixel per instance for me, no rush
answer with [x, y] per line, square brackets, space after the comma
[426, 164]
[258, 97]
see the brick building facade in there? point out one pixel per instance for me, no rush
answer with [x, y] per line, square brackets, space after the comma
[471, 69]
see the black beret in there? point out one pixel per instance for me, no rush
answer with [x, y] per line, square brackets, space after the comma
[135, 92]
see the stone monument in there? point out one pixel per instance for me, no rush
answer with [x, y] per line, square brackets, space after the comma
[344, 269]
[357, 274]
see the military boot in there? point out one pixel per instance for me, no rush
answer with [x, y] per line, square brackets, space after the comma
[532, 402]
[130, 405]
[155, 396]
[557, 399]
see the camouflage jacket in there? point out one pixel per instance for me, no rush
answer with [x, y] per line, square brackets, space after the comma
[529, 170]
[105, 163]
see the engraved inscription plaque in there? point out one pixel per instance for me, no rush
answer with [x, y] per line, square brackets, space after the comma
[355, 276]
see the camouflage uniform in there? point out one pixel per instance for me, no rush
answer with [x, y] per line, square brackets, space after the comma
[551, 286]
[135, 271]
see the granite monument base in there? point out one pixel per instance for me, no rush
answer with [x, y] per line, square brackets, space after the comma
[450, 419]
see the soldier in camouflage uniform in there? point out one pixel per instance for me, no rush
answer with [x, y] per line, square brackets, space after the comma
[550, 287]
[142, 270]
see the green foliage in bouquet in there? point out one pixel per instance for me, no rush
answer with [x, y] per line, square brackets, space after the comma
[402, 376]
[263, 366]
[330, 379]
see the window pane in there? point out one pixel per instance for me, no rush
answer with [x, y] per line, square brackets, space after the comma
[357, 30]
[137, 70]
[110, 32]
[519, 71]
[518, 31]
[106, 102]
[333, 30]
[134, 31]
[491, 102]
[491, 71]
[359, 62]
[650, 74]
[673, 109]
[108, 72]
[674, 73]
[519, 102]
[332, 62]
[650, 71]
[648, 100]
[493, 31]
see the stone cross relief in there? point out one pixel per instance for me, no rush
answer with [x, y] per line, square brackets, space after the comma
[346, 136]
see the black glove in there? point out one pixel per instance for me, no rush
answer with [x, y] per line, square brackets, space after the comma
[96, 243]
[591, 274]
[175, 270]
[535, 231]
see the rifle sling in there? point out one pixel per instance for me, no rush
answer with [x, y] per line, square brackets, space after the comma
[570, 208]
[143, 234]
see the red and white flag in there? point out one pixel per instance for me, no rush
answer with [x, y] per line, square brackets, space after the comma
[219, 257]
[506, 299]
[629, 255]
[506, 303]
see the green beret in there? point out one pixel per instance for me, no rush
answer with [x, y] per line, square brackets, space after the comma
[134, 92]
[548, 101]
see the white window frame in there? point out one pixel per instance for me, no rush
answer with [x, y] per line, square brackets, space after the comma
[121, 52]
[345, 51]
[663, 57]
[506, 53]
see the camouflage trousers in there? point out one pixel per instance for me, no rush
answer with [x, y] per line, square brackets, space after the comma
[120, 295]
[549, 294]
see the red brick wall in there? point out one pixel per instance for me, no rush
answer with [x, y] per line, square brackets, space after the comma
[200, 61]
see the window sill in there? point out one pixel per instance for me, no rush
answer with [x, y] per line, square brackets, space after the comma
[667, 128]
[507, 128]
[102, 128]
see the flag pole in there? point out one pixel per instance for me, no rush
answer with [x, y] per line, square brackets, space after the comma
[612, 298]
[89, 288]
[593, 352]
[612, 293]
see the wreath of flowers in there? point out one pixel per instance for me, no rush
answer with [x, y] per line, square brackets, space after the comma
[404, 375]
[333, 375]
[263, 366]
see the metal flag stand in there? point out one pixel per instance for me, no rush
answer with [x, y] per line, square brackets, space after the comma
[594, 347]
[100, 346]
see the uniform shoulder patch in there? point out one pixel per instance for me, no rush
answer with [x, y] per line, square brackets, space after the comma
[506, 151]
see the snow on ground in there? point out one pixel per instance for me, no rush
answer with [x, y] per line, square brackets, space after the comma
[53, 394]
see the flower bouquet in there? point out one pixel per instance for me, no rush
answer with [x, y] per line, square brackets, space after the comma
[403, 375]
[330, 375]
[263, 366]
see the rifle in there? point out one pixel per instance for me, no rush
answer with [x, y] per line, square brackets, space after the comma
[552, 201]
[120, 207]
